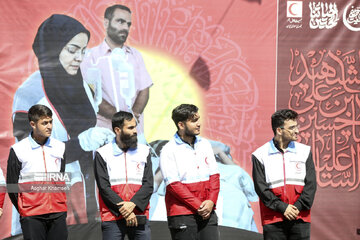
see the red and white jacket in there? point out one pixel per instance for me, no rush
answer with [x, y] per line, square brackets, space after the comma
[190, 174]
[27, 167]
[283, 178]
[2, 188]
[123, 176]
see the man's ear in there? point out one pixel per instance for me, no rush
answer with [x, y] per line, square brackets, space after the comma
[279, 131]
[181, 125]
[32, 124]
[117, 130]
[106, 23]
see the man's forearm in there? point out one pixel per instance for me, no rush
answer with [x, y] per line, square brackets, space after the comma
[306, 199]
[106, 109]
[141, 101]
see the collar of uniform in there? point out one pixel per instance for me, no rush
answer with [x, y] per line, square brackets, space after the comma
[178, 139]
[105, 49]
[273, 149]
[35, 145]
[117, 151]
[291, 147]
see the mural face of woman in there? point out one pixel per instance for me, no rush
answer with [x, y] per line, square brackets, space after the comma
[73, 53]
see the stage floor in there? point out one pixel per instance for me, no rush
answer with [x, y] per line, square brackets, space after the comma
[159, 231]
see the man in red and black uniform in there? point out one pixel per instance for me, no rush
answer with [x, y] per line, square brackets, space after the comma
[191, 176]
[284, 178]
[42, 208]
[124, 177]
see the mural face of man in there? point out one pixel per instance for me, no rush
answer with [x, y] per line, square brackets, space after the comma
[117, 29]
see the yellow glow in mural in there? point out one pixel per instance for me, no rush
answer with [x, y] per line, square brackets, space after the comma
[172, 86]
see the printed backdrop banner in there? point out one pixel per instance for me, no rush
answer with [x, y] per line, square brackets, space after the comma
[217, 55]
[228, 58]
[318, 76]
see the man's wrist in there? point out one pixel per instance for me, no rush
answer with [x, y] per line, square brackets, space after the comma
[136, 114]
[298, 206]
[281, 207]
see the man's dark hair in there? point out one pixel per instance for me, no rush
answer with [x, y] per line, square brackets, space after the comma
[109, 12]
[119, 118]
[183, 113]
[38, 111]
[280, 116]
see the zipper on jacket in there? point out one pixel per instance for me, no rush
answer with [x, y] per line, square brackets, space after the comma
[42, 148]
[50, 205]
[126, 181]
[126, 177]
[283, 156]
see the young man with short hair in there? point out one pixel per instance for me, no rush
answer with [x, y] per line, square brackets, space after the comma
[42, 212]
[284, 178]
[124, 178]
[191, 176]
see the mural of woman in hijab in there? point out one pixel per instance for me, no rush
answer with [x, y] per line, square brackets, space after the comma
[59, 46]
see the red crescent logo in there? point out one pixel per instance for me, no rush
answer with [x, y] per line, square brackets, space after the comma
[206, 161]
[138, 166]
[297, 166]
[290, 10]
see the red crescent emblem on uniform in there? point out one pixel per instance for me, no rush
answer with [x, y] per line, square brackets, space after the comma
[290, 9]
[206, 161]
[297, 165]
[138, 166]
